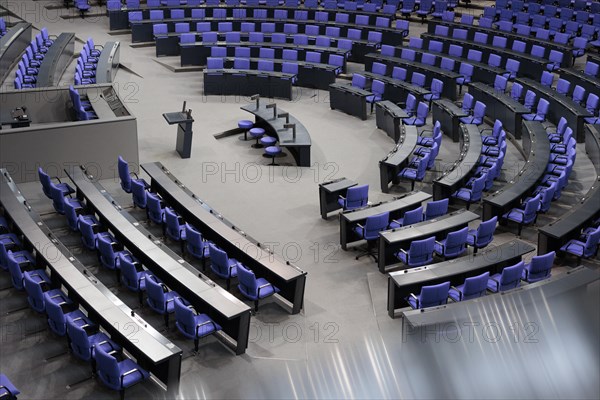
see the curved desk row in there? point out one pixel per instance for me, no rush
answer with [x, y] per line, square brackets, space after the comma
[537, 152]
[430, 72]
[390, 242]
[396, 90]
[482, 72]
[591, 84]
[581, 215]
[560, 106]
[310, 75]
[460, 172]
[168, 44]
[399, 157]
[151, 349]
[288, 278]
[119, 19]
[349, 99]
[500, 106]
[476, 312]
[396, 208]
[530, 66]
[56, 61]
[530, 41]
[108, 62]
[493, 259]
[245, 82]
[388, 117]
[296, 140]
[180, 276]
[197, 53]
[12, 45]
[449, 115]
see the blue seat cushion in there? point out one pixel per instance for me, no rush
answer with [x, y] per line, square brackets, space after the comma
[574, 247]
[267, 290]
[514, 215]
[133, 378]
[408, 173]
[9, 240]
[272, 150]
[245, 124]
[455, 294]
[257, 132]
[268, 141]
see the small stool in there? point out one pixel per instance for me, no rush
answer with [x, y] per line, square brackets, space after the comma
[257, 133]
[246, 126]
[272, 151]
[267, 141]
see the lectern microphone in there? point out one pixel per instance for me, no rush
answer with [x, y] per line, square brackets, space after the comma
[286, 116]
[293, 126]
[274, 107]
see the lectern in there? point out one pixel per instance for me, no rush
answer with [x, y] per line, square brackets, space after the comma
[184, 131]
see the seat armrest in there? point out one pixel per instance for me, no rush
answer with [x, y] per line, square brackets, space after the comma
[497, 283]
[262, 286]
[416, 299]
[460, 293]
[404, 252]
[441, 244]
[130, 372]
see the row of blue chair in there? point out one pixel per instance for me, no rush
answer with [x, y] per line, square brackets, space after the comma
[31, 60]
[87, 62]
[65, 317]
[454, 245]
[83, 108]
[260, 14]
[132, 274]
[558, 171]
[538, 6]
[548, 11]
[177, 230]
[538, 269]
[389, 7]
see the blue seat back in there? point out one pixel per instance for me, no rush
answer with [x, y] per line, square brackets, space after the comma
[541, 266]
[591, 243]
[357, 197]
[154, 208]
[375, 224]
[16, 274]
[173, 227]
[485, 232]
[184, 316]
[88, 237]
[219, 259]
[80, 342]
[421, 251]
[194, 243]
[108, 369]
[413, 216]
[35, 294]
[511, 276]
[129, 274]
[436, 209]
[247, 280]
[138, 193]
[156, 295]
[45, 181]
[107, 254]
[434, 295]
[123, 167]
[531, 209]
[456, 242]
[56, 317]
[475, 286]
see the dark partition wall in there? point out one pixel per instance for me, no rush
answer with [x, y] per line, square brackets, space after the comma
[12, 45]
[56, 141]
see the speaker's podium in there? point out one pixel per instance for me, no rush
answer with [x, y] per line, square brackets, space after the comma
[184, 131]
